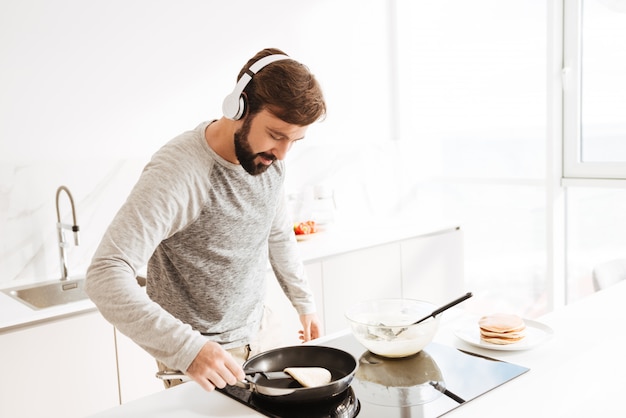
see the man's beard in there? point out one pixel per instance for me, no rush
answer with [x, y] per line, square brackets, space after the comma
[244, 153]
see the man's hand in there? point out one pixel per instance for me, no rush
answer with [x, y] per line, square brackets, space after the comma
[311, 327]
[215, 367]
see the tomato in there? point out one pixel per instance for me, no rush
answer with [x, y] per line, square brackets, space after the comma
[304, 228]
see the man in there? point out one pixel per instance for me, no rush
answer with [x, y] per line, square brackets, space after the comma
[205, 216]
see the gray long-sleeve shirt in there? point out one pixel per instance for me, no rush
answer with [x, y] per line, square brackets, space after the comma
[205, 228]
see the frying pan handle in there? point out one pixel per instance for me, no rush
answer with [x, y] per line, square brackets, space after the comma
[244, 384]
[175, 374]
[172, 374]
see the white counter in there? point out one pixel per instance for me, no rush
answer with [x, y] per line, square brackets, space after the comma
[578, 373]
[335, 240]
[340, 239]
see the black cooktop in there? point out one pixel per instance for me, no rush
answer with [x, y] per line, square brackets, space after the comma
[429, 384]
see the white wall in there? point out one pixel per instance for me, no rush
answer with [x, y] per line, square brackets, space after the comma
[90, 89]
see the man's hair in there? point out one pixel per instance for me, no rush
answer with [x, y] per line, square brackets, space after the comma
[286, 88]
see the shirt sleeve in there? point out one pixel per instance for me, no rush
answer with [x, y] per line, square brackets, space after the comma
[151, 213]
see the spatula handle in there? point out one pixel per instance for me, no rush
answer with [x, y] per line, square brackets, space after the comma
[451, 304]
[445, 307]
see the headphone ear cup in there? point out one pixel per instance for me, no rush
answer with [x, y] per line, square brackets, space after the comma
[233, 106]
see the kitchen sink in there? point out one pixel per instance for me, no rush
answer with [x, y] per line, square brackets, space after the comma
[49, 294]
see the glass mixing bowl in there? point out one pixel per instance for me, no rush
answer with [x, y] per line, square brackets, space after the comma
[385, 326]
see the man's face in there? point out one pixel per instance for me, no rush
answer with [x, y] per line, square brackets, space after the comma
[264, 138]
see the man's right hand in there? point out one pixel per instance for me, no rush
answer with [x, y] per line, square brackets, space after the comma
[215, 367]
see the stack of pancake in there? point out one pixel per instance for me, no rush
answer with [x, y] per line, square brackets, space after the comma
[502, 329]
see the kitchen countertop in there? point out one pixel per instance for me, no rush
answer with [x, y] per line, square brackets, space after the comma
[338, 239]
[577, 373]
[334, 240]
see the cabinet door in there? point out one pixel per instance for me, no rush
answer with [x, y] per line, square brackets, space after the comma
[137, 370]
[61, 368]
[432, 267]
[314, 272]
[284, 320]
[370, 273]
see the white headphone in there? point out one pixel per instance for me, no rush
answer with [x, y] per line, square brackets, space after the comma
[233, 106]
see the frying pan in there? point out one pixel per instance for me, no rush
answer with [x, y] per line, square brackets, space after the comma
[341, 365]
[261, 381]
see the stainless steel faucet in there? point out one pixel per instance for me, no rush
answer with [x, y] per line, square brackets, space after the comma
[61, 227]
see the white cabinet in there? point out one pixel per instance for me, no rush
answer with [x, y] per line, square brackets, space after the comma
[136, 370]
[427, 267]
[284, 319]
[60, 368]
[314, 272]
[72, 367]
[432, 267]
[348, 278]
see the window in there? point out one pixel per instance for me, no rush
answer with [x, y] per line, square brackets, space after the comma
[596, 231]
[595, 89]
[594, 139]
[480, 117]
[472, 127]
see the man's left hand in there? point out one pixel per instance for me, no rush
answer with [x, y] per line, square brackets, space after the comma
[311, 327]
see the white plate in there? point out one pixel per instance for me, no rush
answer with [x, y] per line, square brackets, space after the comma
[536, 333]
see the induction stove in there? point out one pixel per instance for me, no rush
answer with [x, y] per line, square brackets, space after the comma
[429, 384]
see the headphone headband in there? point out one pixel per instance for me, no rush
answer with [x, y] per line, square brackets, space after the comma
[233, 106]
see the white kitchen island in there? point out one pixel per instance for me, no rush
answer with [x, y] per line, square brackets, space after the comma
[579, 372]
